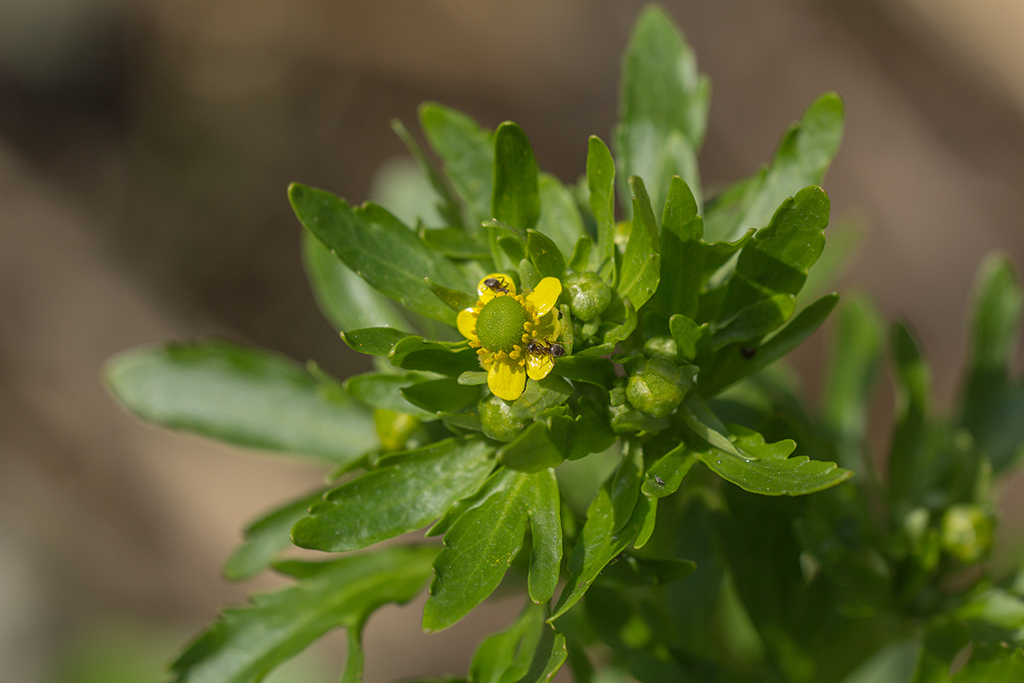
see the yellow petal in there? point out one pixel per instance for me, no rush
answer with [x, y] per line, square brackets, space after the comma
[538, 365]
[466, 322]
[506, 379]
[504, 283]
[545, 294]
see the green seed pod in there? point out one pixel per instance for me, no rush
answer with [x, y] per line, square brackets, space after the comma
[967, 532]
[497, 420]
[657, 387]
[588, 294]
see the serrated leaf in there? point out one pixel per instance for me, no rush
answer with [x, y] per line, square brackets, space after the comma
[344, 298]
[374, 341]
[641, 261]
[248, 642]
[405, 492]
[247, 397]
[467, 154]
[481, 544]
[801, 159]
[663, 106]
[529, 651]
[601, 183]
[381, 250]
[266, 538]
[682, 253]
[560, 217]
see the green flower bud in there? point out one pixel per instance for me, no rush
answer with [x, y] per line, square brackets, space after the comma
[588, 295]
[658, 386]
[967, 532]
[497, 420]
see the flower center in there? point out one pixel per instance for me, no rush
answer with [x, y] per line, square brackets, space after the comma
[500, 324]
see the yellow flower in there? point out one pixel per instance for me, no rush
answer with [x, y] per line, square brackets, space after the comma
[513, 333]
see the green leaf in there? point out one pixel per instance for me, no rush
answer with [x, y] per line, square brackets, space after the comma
[665, 475]
[481, 544]
[992, 404]
[853, 373]
[467, 153]
[545, 254]
[383, 391]
[244, 644]
[621, 332]
[531, 451]
[539, 396]
[455, 299]
[765, 468]
[687, 335]
[601, 183]
[597, 371]
[529, 651]
[516, 199]
[754, 321]
[374, 341]
[415, 353]
[776, 261]
[801, 159]
[405, 492]
[992, 663]
[663, 106]
[247, 397]
[344, 298]
[376, 245]
[682, 253]
[641, 262]
[580, 254]
[732, 363]
[447, 207]
[444, 395]
[454, 243]
[560, 217]
[632, 572]
[266, 538]
[614, 519]
[908, 449]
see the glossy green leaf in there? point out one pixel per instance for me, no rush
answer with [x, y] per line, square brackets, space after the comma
[374, 341]
[598, 371]
[516, 199]
[376, 245]
[687, 334]
[601, 183]
[621, 332]
[405, 492]
[243, 396]
[664, 476]
[682, 254]
[580, 254]
[539, 396]
[803, 156]
[246, 643]
[663, 106]
[908, 449]
[415, 353]
[447, 206]
[444, 395]
[467, 154]
[754, 321]
[383, 391]
[481, 544]
[614, 519]
[545, 254]
[717, 254]
[560, 217]
[454, 243]
[632, 572]
[641, 262]
[531, 451]
[733, 363]
[344, 298]
[529, 651]
[853, 372]
[266, 538]
[455, 299]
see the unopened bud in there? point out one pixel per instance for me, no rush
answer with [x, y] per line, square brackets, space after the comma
[497, 420]
[588, 295]
[658, 386]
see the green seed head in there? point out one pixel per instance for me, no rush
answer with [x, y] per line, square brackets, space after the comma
[500, 325]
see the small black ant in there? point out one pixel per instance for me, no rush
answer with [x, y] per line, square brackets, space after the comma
[496, 284]
[549, 349]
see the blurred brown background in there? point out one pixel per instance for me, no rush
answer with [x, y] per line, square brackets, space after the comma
[145, 148]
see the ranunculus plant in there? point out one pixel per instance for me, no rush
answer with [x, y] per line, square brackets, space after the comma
[576, 390]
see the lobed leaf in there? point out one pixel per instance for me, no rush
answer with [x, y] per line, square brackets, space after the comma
[405, 492]
[247, 397]
[529, 651]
